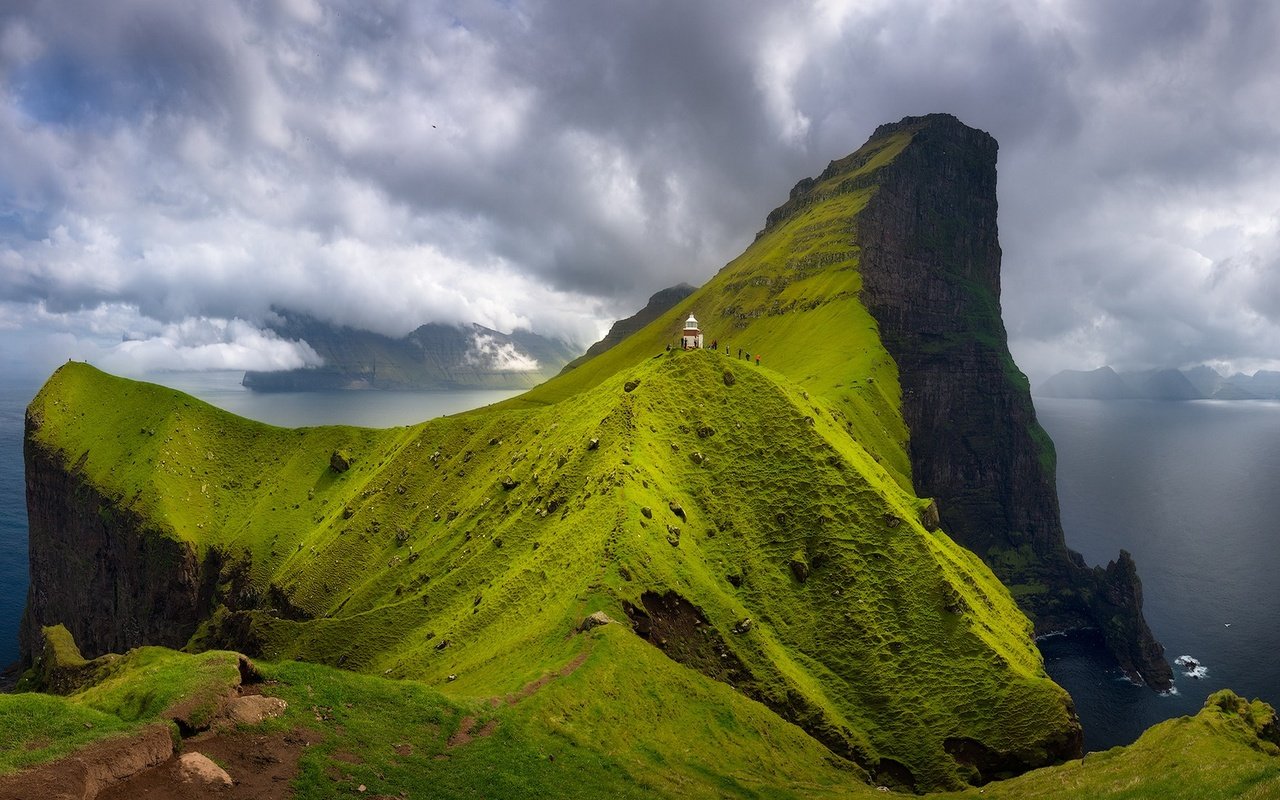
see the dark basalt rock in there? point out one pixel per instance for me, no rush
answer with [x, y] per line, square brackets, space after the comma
[931, 278]
[103, 571]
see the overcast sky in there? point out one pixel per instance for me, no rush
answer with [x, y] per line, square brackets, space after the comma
[172, 170]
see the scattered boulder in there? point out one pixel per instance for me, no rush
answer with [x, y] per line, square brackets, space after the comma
[594, 620]
[494, 440]
[340, 461]
[251, 709]
[930, 517]
[199, 768]
[593, 444]
[677, 509]
[630, 386]
[799, 568]
[646, 512]
[743, 625]
[704, 431]
[509, 483]
[892, 521]
[673, 536]
[697, 457]
[729, 378]
[734, 579]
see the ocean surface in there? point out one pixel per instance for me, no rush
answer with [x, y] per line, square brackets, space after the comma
[1190, 489]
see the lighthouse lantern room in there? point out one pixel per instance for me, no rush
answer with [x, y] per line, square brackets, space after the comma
[691, 339]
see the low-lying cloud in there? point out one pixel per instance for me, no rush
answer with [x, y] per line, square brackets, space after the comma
[548, 165]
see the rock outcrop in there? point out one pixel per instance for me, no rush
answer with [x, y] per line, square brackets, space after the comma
[112, 577]
[931, 279]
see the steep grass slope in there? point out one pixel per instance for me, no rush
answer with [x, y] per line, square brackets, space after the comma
[708, 493]
[792, 298]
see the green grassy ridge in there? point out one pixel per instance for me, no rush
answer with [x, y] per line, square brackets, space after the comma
[897, 641]
[119, 695]
[1228, 751]
[866, 646]
[715, 743]
[791, 297]
[395, 735]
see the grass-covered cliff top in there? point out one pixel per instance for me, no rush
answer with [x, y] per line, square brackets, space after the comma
[394, 736]
[472, 545]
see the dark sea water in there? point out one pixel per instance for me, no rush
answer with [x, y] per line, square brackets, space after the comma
[222, 389]
[14, 396]
[1192, 490]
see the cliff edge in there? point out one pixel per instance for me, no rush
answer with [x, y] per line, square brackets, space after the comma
[931, 278]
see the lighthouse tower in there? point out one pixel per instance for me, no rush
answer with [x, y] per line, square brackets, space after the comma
[691, 339]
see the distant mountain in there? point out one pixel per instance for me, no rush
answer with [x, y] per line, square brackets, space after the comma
[1100, 384]
[1162, 384]
[658, 304]
[1207, 380]
[1196, 383]
[435, 356]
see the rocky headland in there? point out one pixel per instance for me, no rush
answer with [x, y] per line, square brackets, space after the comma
[658, 573]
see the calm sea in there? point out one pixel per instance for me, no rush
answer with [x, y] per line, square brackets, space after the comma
[1190, 489]
[223, 389]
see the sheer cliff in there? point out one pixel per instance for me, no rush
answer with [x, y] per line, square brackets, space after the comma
[931, 278]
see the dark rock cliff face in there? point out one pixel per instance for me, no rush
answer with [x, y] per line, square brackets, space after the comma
[931, 278]
[114, 582]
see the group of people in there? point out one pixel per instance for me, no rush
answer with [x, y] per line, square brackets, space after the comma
[715, 345]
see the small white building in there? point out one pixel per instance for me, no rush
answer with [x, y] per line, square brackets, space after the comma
[691, 339]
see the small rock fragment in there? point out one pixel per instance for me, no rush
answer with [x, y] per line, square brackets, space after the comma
[594, 620]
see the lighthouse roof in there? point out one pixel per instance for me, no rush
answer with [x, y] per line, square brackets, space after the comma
[690, 323]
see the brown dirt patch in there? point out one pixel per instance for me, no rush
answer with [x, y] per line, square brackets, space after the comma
[463, 734]
[470, 729]
[347, 758]
[262, 766]
[404, 749]
[534, 685]
[85, 772]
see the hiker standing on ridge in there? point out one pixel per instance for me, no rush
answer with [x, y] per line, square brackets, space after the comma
[757, 359]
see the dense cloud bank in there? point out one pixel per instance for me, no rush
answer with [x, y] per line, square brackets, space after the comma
[171, 171]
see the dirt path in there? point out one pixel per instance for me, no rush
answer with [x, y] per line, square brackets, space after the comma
[261, 765]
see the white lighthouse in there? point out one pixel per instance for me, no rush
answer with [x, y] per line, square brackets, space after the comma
[691, 339]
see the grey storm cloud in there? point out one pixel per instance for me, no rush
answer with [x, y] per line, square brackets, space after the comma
[173, 171]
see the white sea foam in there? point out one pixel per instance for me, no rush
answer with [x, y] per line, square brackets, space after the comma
[1191, 666]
